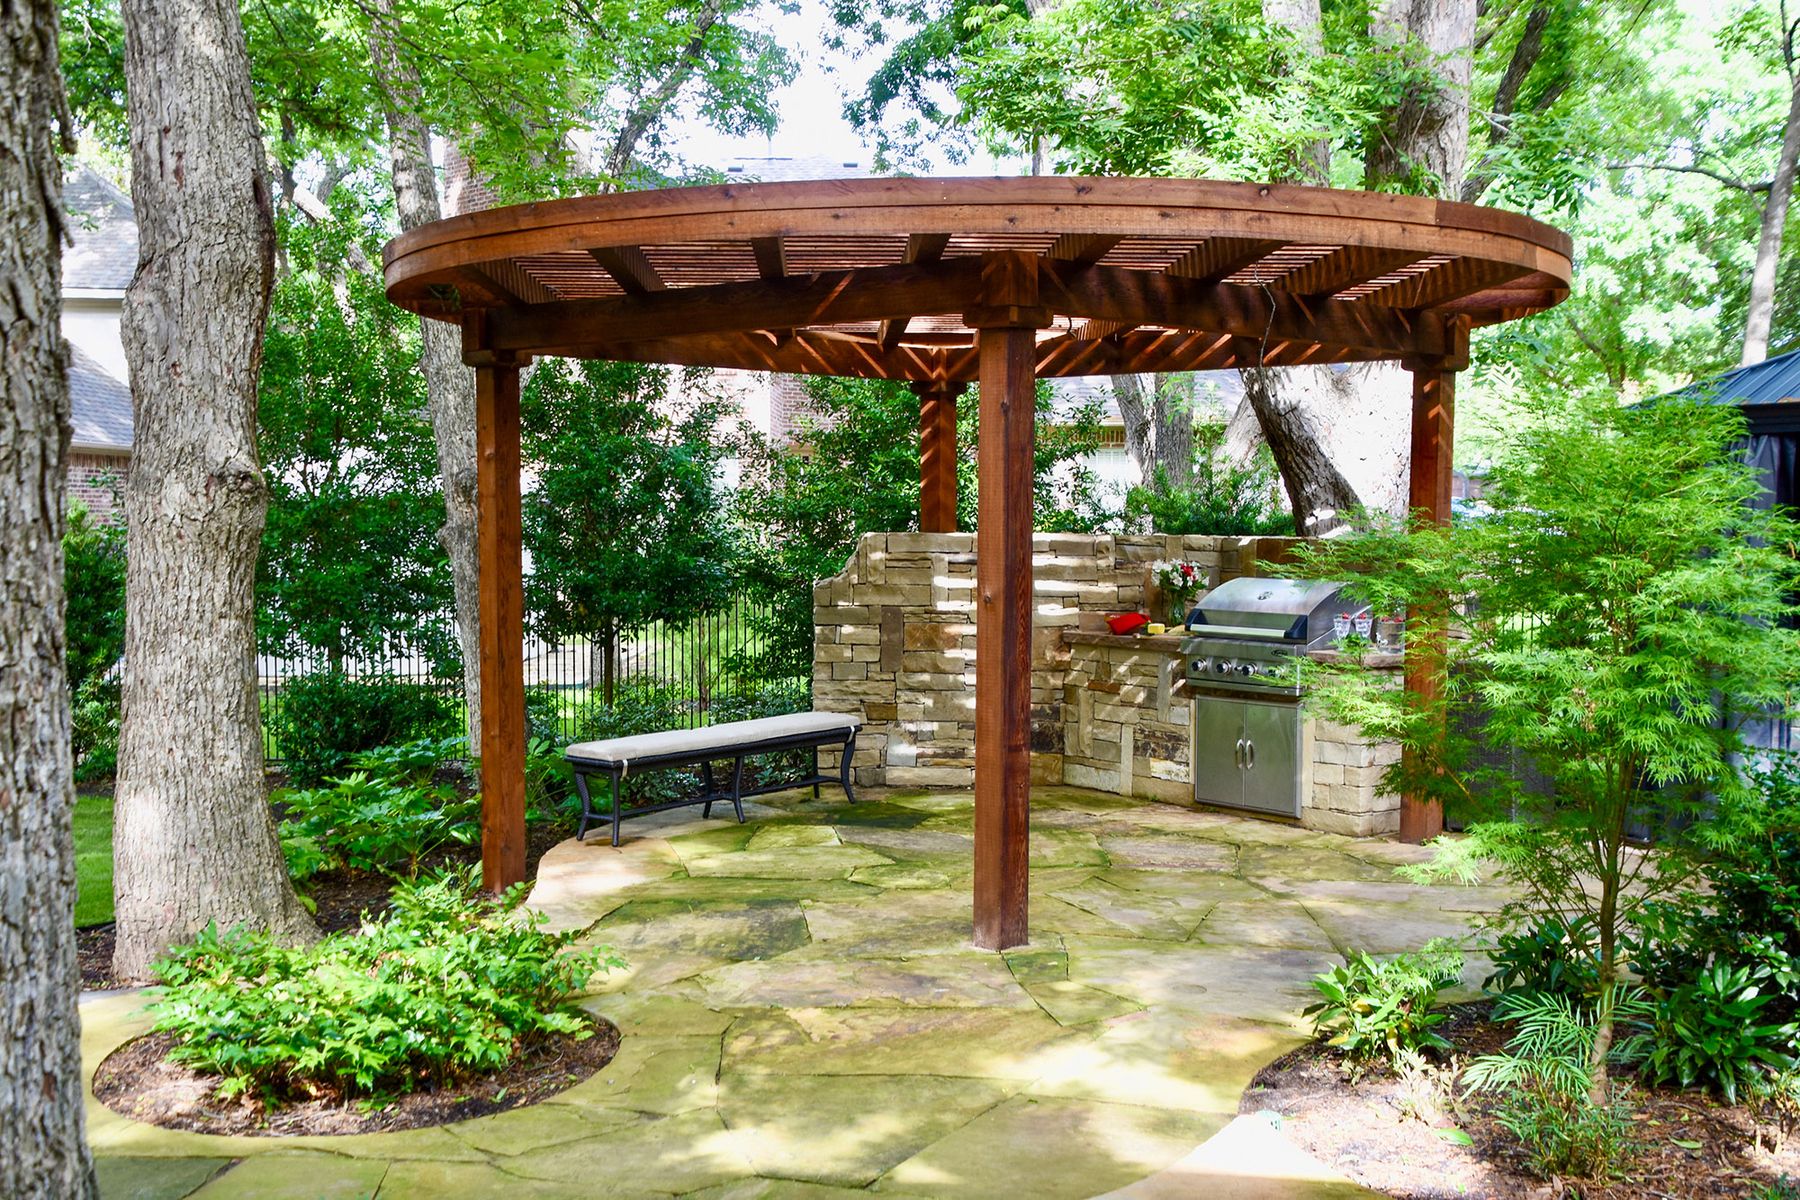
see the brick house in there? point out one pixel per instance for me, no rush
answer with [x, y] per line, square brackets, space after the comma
[97, 269]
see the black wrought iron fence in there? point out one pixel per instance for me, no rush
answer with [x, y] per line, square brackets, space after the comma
[691, 670]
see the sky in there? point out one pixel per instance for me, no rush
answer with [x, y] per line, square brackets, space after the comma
[812, 108]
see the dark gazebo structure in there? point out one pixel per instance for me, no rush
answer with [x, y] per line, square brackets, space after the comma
[944, 282]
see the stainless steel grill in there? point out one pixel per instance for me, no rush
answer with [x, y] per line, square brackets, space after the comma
[1248, 712]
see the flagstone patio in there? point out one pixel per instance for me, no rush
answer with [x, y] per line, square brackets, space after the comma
[803, 1014]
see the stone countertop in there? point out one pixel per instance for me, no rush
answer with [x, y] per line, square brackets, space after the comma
[1165, 643]
[1375, 660]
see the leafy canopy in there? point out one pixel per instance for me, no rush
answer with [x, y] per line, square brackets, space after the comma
[622, 519]
[350, 564]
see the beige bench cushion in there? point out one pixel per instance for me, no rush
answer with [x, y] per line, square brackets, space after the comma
[727, 738]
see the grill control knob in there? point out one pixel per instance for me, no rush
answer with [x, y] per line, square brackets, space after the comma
[1246, 669]
[1222, 667]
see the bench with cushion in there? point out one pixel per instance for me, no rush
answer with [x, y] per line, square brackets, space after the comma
[733, 741]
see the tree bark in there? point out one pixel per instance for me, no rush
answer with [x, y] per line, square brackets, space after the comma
[1423, 145]
[43, 1149]
[1339, 436]
[1159, 426]
[1761, 313]
[449, 384]
[193, 840]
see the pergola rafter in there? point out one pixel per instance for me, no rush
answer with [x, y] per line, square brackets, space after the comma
[942, 283]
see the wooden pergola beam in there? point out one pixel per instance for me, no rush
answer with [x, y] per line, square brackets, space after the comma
[630, 268]
[920, 248]
[502, 618]
[1344, 268]
[937, 455]
[827, 298]
[1134, 298]
[1429, 498]
[808, 352]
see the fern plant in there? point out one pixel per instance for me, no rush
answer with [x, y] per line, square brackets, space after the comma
[1546, 1077]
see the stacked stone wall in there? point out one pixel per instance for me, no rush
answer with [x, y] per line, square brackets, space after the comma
[894, 638]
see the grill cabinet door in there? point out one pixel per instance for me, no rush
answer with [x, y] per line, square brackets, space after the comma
[1272, 771]
[1218, 729]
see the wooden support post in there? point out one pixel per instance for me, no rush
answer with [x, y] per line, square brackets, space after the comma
[502, 626]
[1433, 441]
[1008, 359]
[937, 455]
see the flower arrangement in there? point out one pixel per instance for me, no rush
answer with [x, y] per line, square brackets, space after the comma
[1181, 581]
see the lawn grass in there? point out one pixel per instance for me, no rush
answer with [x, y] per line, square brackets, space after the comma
[93, 860]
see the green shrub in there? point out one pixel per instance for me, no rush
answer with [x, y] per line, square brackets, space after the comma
[1374, 1009]
[451, 984]
[417, 763]
[369, 823]
[1715, 1032]
[1551, 957]
[94, 727]
[1547, 1084]
[544, 714]
[1226, 497]
[325, 718]
[773, 699]
[94, 587]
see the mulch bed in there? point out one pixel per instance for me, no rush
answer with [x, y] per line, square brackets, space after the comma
[138, 1081]
[342, 897]
[1363, 1131]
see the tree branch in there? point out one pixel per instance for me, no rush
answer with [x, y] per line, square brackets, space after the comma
[638, 121]
[1741, 185]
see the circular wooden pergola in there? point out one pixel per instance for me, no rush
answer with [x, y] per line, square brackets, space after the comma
[944, 282]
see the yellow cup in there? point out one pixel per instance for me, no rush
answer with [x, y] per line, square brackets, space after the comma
[1153, 628]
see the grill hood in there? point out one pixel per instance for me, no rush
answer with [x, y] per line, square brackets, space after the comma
[1296, 610]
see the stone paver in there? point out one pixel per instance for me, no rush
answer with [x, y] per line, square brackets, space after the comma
[803, 1015]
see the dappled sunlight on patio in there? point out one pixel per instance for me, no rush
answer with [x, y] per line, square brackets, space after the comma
[803, 1012]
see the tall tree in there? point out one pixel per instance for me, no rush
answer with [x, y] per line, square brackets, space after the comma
[43, 1149]
[350, 563]
[449, 385]
[1761, 310]
[194, 841]
[623, 520]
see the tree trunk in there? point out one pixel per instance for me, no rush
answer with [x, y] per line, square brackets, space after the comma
[449, 384]
[1761, 313]
[1159, 426]
[43, 1152]
[1339, 436]
[1300, 411]
[1423, 145]
[1301, 18]
[193, 838]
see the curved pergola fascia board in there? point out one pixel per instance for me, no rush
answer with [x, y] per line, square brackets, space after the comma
[973, 204]
[1358, 275]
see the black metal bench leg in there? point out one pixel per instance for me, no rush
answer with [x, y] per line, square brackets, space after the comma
[737, 788]
[844, 769]
[815, 772]
[706, 786]
[615, 811]
[587, 806]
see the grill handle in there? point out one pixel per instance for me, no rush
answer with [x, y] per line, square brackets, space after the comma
[1250, 753]
[1238, 757]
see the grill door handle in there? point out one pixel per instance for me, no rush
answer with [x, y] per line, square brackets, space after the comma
[1238, 755]
[1250, 753]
